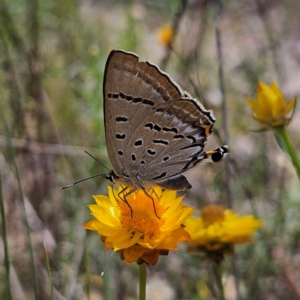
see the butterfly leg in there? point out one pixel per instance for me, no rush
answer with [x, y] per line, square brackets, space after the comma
[154, 192]
[124, 198]
[146, 193]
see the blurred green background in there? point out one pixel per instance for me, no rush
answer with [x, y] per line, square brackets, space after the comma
[52, 56]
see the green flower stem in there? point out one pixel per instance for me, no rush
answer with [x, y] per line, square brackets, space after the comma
[143, 276]
[285, 144]
[217, 268]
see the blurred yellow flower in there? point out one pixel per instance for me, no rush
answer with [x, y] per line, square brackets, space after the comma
[217, 230]
[139, 234]
[165, 34]
[270, 108]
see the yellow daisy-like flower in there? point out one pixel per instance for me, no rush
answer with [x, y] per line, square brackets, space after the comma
[270, 108]
[217, 230]
[165, 34]
[140, 233]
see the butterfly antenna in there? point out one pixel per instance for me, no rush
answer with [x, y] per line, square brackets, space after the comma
[69, 185]
[102, 273]
[97, 160]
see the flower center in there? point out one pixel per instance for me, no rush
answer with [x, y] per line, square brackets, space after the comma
[211, 214]
[142, 218]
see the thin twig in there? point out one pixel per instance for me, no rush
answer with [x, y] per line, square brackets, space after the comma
[224, 113]
[178, 17]
[5, 242]
[44, 148]
[25, 219]
[6, 21]
[226, 137]
[11, 75]
[262, 12]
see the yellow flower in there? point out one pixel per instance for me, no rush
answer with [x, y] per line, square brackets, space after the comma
[217, 230]
[270, 108]
[165, 34]
[139, 233]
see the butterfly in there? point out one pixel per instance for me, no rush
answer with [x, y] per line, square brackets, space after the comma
[154, 130]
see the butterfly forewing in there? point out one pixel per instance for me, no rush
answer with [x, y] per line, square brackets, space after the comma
[130, 89]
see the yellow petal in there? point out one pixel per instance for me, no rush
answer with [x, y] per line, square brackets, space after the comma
[171, 241]
[270, 109]
[220, 234]
[290, 106]
[276, 89]
[253, 105]
[101, 200]
[133, 232]
[92, 225]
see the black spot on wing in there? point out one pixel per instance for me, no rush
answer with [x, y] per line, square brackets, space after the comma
[138, 143]
[178, 136]
[151, 152]
[148, 102]
[167, 129]
[120, 153]
[149, 125]
[137, 100]
[120, 136]
[162, 142]
[157, 128]
[121, 119]
[160, 110]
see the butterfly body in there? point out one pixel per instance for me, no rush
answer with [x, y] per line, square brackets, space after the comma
[154, 130]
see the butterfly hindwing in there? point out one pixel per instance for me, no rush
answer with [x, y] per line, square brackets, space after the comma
[170, 141]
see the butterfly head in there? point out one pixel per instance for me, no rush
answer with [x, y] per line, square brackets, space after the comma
[111, 177]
